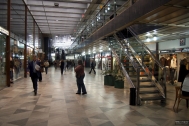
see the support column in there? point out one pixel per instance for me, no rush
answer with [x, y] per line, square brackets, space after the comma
[157, 50]
[25, 46]
[111, 61]
[33, 36]
[101, 60]
[8, 45]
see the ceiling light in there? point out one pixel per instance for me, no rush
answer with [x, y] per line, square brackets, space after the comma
[147, 34]
[148, 39]
[155, 38]
[56, 36]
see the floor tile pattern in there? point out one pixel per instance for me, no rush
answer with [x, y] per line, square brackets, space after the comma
[56, 104]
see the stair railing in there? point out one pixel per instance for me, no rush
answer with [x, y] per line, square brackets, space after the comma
[163, 85]
[161, 88]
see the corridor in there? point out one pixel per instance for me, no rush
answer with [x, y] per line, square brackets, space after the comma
[56, 104]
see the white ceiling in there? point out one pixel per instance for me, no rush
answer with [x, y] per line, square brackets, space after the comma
[64, 19]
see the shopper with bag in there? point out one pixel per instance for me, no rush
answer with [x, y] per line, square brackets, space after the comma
[46, 64]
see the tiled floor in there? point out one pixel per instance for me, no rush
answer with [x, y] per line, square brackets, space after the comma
[57, 104]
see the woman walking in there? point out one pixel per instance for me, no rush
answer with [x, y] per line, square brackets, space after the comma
[62, 66]
[79, 78]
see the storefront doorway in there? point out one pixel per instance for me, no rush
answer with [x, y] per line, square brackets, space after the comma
[2, 60]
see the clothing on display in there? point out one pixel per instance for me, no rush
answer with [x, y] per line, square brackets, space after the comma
[163, 61]
[168, 62]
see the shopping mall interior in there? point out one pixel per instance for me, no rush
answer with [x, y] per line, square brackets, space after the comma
[140, 49]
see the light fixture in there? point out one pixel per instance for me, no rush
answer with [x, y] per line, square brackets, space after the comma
[155, 38]
[56, 36]
[109, 49]
[147, 34]
[125, 49]
[147, 39]
[101, 50]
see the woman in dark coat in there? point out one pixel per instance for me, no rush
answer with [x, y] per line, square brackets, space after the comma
[183, 71]
[62, 66]
[79, 77]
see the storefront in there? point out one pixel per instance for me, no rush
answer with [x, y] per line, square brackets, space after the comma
[17, 55]
[171, 60]
[3, 35]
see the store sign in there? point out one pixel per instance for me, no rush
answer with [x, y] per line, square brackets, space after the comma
[4, 31]
[182, 42]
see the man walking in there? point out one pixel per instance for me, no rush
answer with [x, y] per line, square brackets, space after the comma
[34, 68]
[93, 64]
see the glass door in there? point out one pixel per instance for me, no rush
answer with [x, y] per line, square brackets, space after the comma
[2, 60]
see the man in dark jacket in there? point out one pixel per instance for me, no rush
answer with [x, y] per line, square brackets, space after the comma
[93, 64]
[34, 68]
[62, 66]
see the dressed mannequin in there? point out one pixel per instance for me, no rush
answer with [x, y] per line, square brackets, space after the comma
[173, 67]
[162, 60]
[167, 65]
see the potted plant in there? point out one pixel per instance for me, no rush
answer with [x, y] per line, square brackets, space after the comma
[107, 77]
[119, 80]
[119, 77]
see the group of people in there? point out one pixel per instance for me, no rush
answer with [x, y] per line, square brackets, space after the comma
[35, 73]
[68, 64]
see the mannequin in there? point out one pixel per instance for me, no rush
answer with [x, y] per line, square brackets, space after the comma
[162, 60]
[173, 67]
[167, 65]
[168, 62]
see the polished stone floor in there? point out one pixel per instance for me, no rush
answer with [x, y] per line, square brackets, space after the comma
[56, 104]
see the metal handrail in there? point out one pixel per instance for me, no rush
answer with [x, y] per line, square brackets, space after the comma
[148, 50]
[124, 71]
[93, 18]
[115, 36]
[143, 67]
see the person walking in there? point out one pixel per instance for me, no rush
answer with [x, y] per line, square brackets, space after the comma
[93, 64]
[46, 64]
[33, 69]
[79, 78]
[62, 66]
[11, 70]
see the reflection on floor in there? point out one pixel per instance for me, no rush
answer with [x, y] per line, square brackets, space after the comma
[57, 104]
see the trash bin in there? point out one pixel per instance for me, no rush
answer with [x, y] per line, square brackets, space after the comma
[132, 96]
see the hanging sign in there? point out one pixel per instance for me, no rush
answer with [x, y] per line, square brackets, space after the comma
[4, 31]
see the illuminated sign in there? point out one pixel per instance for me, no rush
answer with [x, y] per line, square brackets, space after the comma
[4, 31]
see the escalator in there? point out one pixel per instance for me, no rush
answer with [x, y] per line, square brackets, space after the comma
[143, 69]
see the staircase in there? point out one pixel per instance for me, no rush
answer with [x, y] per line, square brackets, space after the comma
[143, 69]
